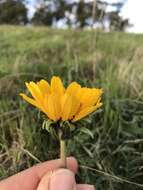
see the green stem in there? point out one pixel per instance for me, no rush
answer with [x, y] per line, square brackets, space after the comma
[63, 153]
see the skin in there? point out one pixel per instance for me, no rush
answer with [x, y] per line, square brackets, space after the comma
[46, 176]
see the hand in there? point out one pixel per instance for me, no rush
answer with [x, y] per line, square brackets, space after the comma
[46, 176]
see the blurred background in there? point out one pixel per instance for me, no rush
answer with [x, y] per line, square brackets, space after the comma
[96, 43]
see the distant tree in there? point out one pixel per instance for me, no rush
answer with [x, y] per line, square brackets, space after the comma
[13, 12]
[117, 23]
[79, 13]
[49, 11]
[42, 17]
[84, 13]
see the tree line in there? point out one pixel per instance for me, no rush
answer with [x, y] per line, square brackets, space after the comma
[72, 14]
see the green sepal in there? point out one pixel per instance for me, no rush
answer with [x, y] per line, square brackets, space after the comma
[50, 126]
[66, 130]
[61, 129]
[47, 124]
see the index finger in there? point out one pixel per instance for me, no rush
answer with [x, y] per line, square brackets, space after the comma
[29, 179]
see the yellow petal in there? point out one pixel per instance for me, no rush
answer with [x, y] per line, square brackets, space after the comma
[44, 87]
[57, 86]
[66, 104]
[50, 108]
[89, 97]
[53, 107]
[30, 100]
[82, 94]
[86, 111]
[74, 107]
[57, 105]
[35, 92]
[73, 88]
[97, 94]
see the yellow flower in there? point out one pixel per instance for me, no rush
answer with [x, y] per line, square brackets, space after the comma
[73, 103]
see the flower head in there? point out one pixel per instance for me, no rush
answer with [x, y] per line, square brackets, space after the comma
[59, 103]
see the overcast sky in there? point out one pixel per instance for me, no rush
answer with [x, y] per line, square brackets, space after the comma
[133, 9]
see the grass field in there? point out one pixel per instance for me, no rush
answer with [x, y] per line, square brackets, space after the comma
[111, 155]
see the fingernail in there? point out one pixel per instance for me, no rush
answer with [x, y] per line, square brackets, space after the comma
[85, 187]
[90, 187]
[62, 179]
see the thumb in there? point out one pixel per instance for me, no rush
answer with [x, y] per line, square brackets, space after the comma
[62, 179]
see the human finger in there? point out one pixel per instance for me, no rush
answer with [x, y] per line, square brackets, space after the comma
[62, 179]
[29, 179]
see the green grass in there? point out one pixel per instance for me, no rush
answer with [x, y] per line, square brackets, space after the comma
[113, 61]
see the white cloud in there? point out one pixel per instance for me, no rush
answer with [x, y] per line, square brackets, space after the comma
[133, 9]
[31, 8]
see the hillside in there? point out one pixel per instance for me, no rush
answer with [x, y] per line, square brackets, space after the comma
[113, 61]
